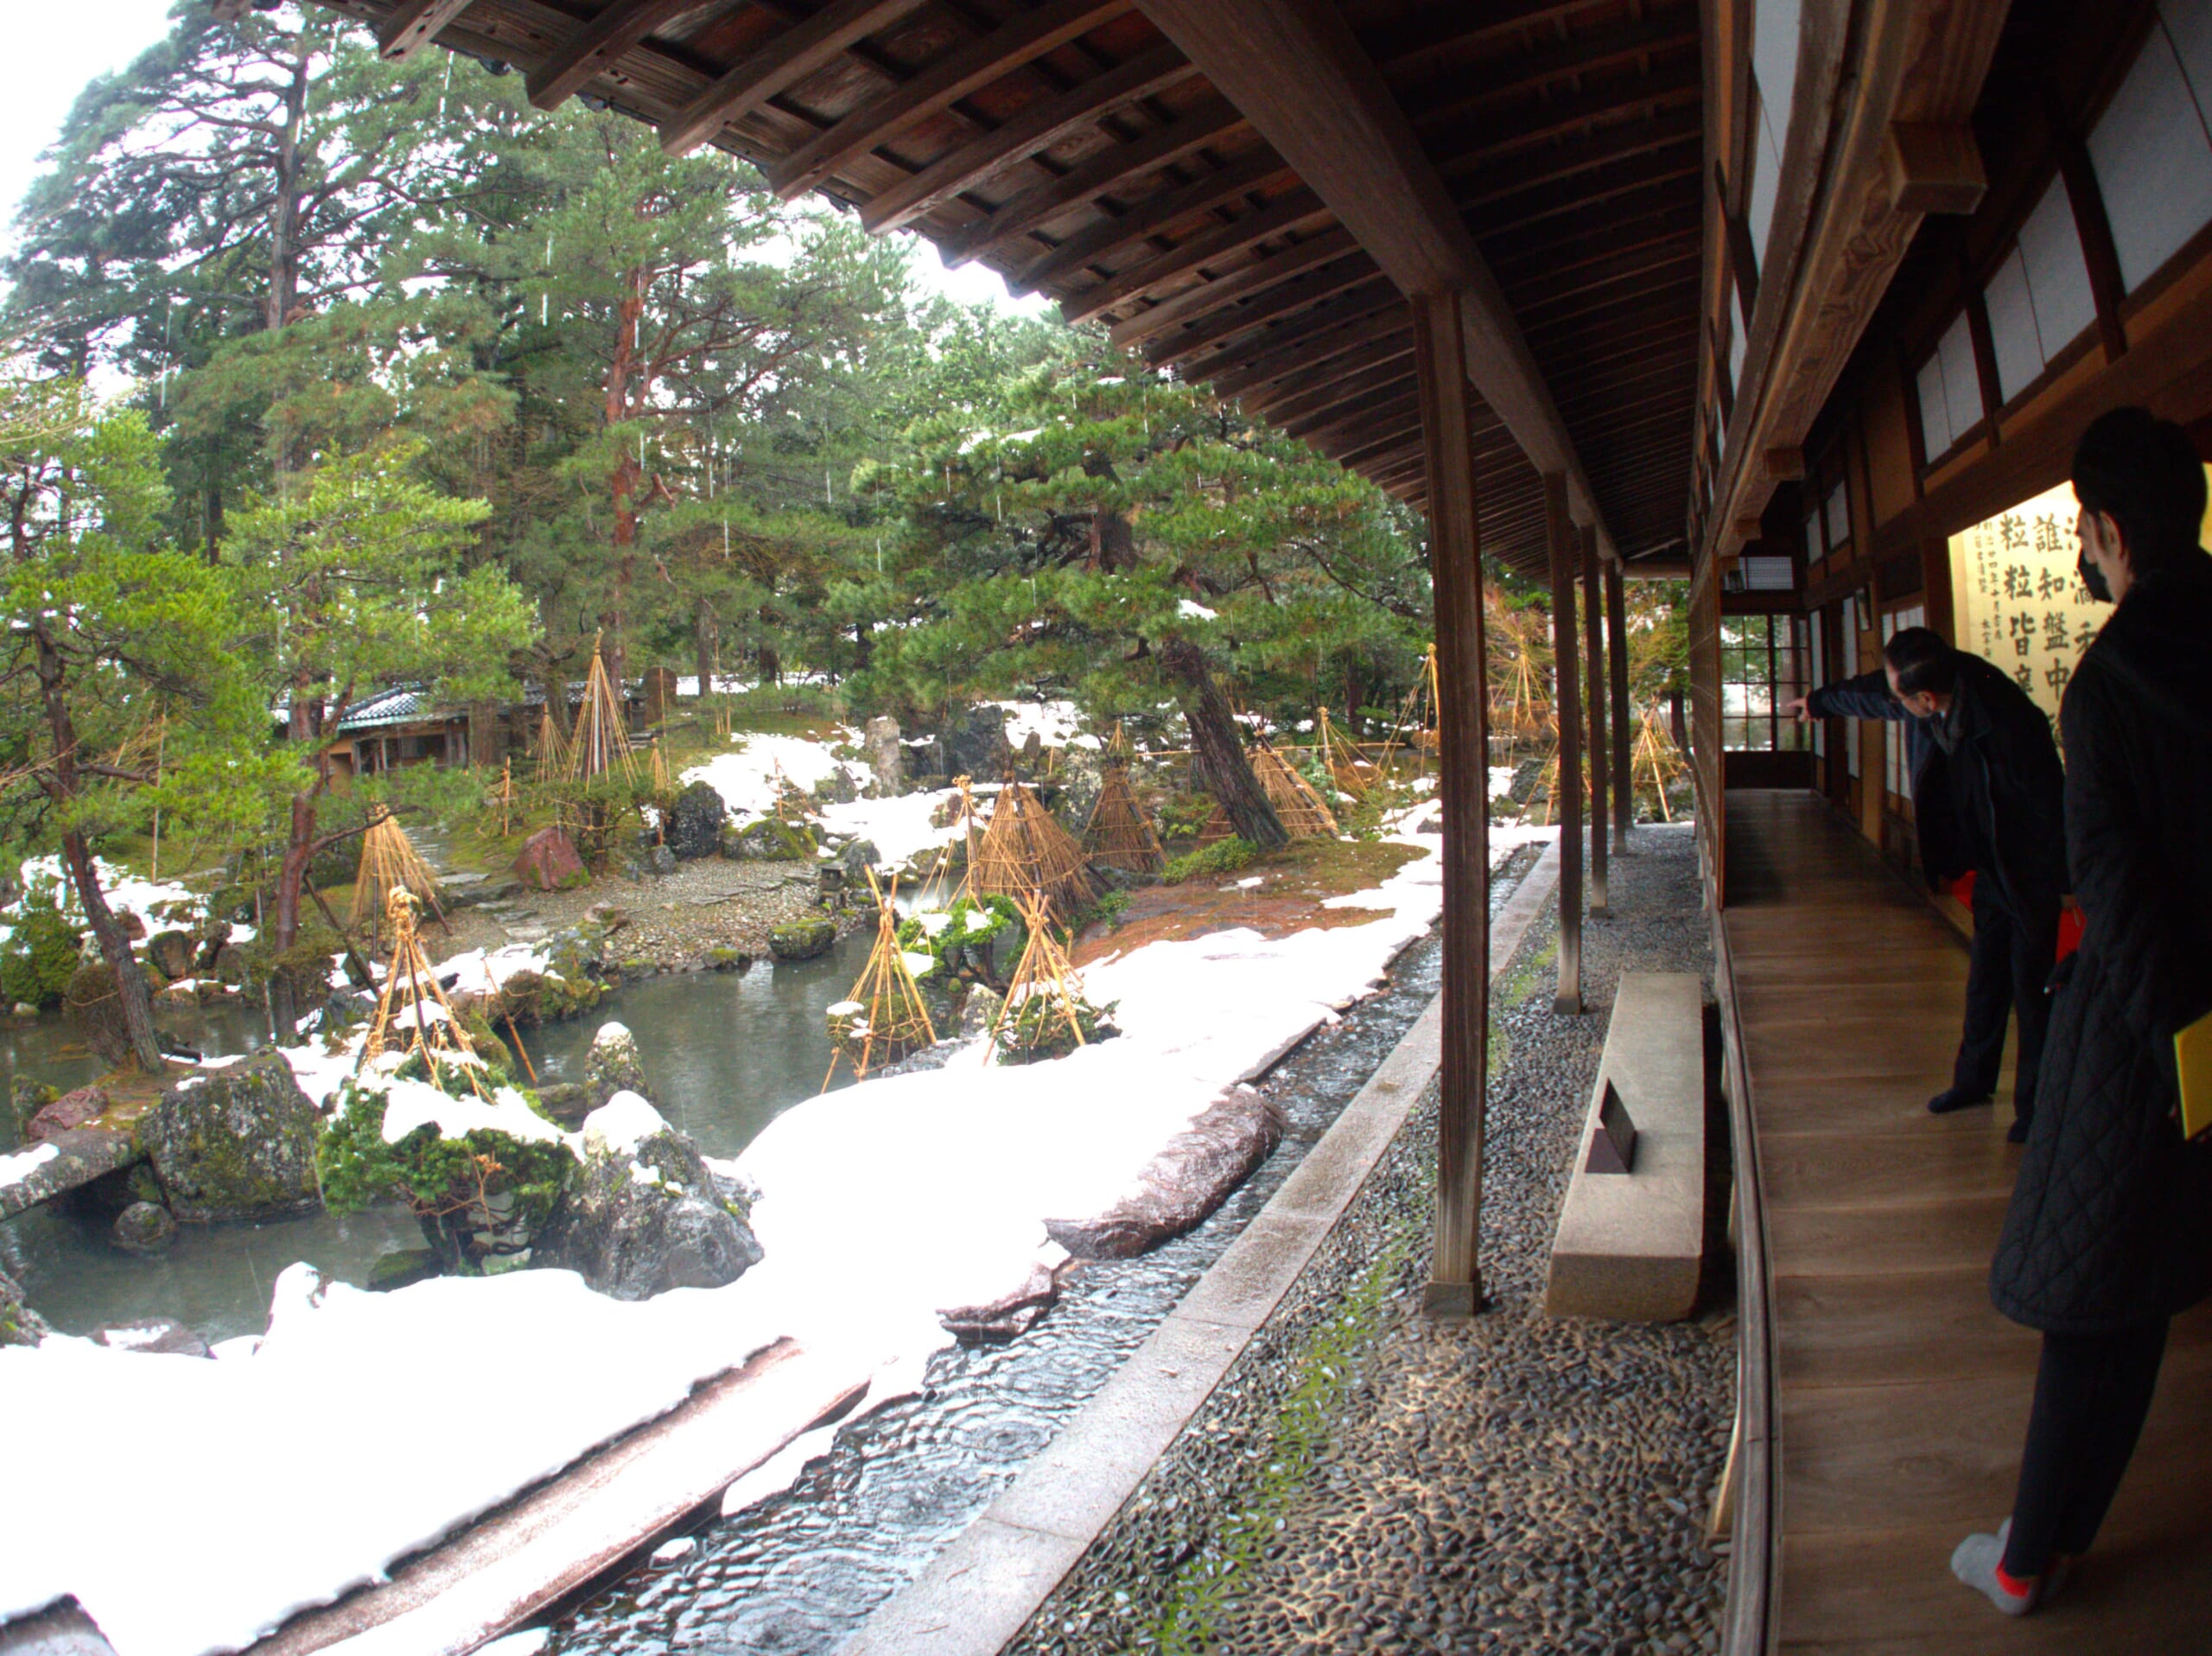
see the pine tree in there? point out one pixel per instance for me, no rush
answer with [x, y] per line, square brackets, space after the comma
[119, 691]
[352, 577]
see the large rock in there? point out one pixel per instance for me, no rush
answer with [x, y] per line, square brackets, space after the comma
[978, 749]
[1013, 1313]
[549, 861]
[94, 1001]
[838, 787]
[858, 858]
[694, 822]
[886, 755]
[70, 1110]
[19, 1324]
[643, 1214]
[144, 1227]
[613, 1065]
[172, 953]
[803, 939]
[1186, 1180]
[235, 1142]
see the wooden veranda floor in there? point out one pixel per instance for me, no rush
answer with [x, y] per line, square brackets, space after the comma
[1901, 1395]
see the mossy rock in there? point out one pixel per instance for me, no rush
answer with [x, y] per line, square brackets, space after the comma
[234, 1142]
[719, 959]
[803, 939]
[402, 1268]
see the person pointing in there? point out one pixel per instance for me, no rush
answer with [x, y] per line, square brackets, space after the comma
[1988, 796]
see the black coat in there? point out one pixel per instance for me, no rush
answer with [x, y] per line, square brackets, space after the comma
[1996, 803]
[2111, 1219]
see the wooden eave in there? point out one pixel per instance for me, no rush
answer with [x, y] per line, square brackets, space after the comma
[1543, 158]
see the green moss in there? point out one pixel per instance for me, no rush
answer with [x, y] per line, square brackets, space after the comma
[971, 929]
[1287, 1451]
[1222, 857]
[1038, 1029]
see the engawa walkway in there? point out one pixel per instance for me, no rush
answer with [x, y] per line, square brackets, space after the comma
[1901, 1395]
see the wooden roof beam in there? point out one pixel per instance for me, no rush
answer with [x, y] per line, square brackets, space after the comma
[1298, 74]
[1103, 173]
[1193, 301]
[1316, 357]
[1150, 216]
[598, 45]
[410, 25]
[967, 68]
[784, 61]
[1298, 210]
[1342, 387]
[1040, 126]
[1228, 321]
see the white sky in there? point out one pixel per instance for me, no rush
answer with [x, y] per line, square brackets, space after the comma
[55, 49]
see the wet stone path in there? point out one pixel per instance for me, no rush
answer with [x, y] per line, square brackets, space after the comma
[1367, 1480]
[800, 1572]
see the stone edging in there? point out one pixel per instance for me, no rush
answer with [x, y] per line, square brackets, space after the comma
[977, 1593]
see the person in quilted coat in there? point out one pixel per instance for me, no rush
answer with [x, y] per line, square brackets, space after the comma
[2109, 1232]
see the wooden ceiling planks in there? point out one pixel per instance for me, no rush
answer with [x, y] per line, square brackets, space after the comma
[1541, 156]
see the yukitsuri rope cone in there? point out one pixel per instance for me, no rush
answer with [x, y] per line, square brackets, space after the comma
[601, 740]
[1119, 834]
[1044, 972]
[1655, 753]
[1416, 725]
[1302, 810]
[412, 1012]
[552, 749]
[884, 1018]
[389, 862]
[1341, 758]
[1217, 827]
[1025, 852]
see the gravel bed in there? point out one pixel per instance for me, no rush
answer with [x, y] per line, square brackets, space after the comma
[1368, 1480]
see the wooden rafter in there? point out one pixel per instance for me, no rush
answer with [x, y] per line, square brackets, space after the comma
[413, 24]
[960, 72]
[1153, 216]
[1098, 176]
[597, 46]
[790, 58]
[1040, 126]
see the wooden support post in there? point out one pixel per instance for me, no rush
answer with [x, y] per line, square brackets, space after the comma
[1594, 639]
[1566, 698]
[1455, 568]
[1616, 660]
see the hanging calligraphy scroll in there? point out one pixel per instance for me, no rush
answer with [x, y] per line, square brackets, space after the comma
[2016, 600]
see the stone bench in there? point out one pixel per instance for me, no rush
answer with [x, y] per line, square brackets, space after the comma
[1629, 1244]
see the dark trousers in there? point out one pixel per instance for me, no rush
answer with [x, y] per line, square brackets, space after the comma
[2012, 958]
[2091, 1393]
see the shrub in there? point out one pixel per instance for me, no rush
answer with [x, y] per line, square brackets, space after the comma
[38, 960]
[1222, 857]
[480, 1195]
[1037, 1027]
[968, 925]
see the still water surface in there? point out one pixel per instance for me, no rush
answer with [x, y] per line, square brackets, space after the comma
[724, 1052]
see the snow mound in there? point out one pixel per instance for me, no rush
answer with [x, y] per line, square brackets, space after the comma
[623, 1123]
[746, 777]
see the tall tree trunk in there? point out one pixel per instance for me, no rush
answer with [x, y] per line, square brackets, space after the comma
[1218, 765]
[1355, 694]
[284, 917]
[484, 736]
[61, 782]
[136, 999]
[624, 481]
[284, 205]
